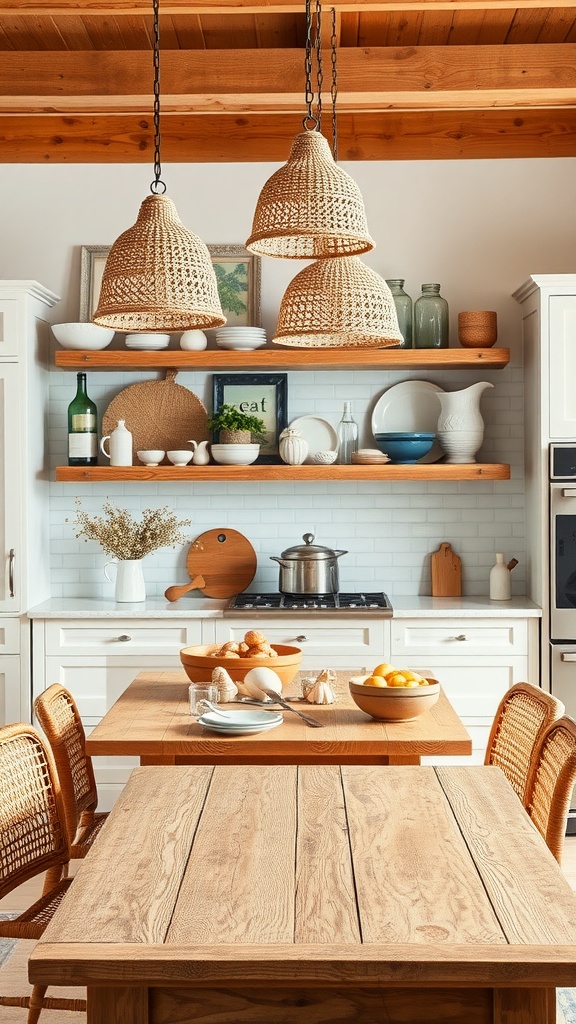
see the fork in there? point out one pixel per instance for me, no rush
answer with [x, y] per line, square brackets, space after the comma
[312, 722]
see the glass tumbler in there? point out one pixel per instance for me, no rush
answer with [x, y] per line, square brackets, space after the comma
[198, 692]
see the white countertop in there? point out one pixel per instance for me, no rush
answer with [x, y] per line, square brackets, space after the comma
[206, 608]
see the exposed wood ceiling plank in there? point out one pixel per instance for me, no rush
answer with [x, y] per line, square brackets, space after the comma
[442, 135]
[216, 81]
[118, 8]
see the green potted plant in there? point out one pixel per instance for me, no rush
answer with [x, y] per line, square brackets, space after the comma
[235, 427]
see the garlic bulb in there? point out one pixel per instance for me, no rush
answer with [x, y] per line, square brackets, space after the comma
[227, 688]
[320, 693]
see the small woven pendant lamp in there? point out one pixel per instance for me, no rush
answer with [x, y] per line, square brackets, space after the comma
[338, 303]
[310, 208]
[158, 275]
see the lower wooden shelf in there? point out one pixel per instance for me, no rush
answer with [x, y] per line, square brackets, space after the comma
[260, 473]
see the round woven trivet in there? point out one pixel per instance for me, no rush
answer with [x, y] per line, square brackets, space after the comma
[159, 414]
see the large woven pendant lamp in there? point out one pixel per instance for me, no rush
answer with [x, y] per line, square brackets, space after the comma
[158, 275]
[310, 208]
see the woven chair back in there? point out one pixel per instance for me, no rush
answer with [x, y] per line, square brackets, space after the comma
[59, 717]
[524, 713]
[32, 827]
[552, 781]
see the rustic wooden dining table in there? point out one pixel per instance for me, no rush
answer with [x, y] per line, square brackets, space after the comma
[151, 720]
[312, 894]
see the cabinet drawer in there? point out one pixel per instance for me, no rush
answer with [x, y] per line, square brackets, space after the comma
[9, 636]
[425, 637]
[121, 637]
[474, 686]
[350, 644]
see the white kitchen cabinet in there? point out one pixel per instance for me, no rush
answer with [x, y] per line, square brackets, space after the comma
[24, 480]
[335, 641]
[476, 660]
[97, 659]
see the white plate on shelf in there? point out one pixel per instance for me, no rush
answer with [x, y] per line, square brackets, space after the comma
[240, 344]
[320, 434]
[240, 722]
[410, 405]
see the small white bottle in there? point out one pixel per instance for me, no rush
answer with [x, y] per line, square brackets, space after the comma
[347, 436]
[500, 580]
[119, 444]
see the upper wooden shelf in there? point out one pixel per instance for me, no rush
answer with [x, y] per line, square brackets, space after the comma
[257, 473]
[288, 358]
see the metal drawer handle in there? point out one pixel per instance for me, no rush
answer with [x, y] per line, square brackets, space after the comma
[124, 638]
[461, 636]
[301, 639]
[567, 657]
[11, 572]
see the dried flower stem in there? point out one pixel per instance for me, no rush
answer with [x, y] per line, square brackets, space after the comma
[124, 538]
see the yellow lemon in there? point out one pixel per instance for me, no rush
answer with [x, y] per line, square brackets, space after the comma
[424, 682]
[396, 679]
[383, 669]
[375, 681]
[412, 677]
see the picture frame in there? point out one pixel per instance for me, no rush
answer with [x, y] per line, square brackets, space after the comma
[264, 395]
[238, 275]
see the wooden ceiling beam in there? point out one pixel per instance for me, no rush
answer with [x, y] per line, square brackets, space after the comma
[442, 135]
[215, 81]
[129, 8]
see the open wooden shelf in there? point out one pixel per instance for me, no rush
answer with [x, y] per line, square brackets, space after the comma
[288, 358]
[260, 473]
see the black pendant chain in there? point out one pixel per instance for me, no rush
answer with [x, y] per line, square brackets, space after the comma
[334, 89]
[157, 187]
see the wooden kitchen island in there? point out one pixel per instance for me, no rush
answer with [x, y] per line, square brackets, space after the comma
[308, 895]
[151, 720]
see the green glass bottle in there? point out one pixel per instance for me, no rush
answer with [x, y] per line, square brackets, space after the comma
[82, 428]
[430, 319]
[403, 304]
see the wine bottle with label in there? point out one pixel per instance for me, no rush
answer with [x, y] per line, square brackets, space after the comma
[82, 428]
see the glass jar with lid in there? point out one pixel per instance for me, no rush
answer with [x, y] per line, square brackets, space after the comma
[403, 304]
[431, 318]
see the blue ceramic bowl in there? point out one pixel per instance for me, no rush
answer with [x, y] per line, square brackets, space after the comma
[405, 447]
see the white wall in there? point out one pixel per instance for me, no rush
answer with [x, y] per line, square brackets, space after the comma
[480, 228]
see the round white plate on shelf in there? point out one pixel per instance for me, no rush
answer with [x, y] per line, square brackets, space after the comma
[320, 434]
[240, 344]
[410, 405]
[240, 722]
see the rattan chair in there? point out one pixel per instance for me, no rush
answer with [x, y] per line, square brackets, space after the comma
[551, 783]
[33, 840]
[58, 715]
[524, 713]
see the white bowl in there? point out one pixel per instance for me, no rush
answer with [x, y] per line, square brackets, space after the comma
[84, 335]
[235, 454]
[180, 457]
[323, 458]
[151, 456]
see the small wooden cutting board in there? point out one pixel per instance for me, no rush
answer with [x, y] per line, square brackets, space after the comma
[446, 571]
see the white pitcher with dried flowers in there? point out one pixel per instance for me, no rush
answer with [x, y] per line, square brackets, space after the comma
[129, 541]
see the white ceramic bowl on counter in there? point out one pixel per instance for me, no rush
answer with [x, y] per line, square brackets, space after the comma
[83, 335]
[235, 454]
[151, 456]
[180, 456]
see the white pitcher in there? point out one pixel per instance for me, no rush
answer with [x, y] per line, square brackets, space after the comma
[460, 425]
[201, 455]
[130, 585]
[120, 446]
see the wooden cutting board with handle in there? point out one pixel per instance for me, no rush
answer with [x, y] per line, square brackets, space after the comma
[220, 563]
[446, 570]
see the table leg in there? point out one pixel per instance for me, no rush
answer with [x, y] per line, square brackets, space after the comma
[524, 1006]
[117, 1006]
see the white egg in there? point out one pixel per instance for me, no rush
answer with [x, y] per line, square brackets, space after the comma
[258, 677]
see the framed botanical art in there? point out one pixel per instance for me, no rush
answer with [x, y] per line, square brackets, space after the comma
[259, 394]
[237, 276]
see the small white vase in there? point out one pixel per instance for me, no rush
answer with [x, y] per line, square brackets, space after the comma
[119, 444]
[129, 584]
[293, 448]
[460, 425]
[201, 455]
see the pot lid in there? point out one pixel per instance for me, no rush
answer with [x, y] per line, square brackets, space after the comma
[309, 550]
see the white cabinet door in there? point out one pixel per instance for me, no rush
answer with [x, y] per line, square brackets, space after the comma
[10, 328]
[11, 544]
[562, 366]
[332, 642]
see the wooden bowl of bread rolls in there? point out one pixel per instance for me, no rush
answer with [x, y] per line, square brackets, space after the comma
[238, 657]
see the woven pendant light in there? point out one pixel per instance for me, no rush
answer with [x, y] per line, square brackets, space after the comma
[159, 275]
[338, 303]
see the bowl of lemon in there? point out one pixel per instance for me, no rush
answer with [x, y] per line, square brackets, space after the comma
[393, 694]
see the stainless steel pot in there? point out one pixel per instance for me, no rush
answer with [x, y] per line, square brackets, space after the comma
[308, 569]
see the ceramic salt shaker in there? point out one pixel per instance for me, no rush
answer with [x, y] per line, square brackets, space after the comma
[500, 580]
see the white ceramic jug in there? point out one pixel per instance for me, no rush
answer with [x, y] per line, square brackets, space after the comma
[120, 453]
[201, 455]
[460, 425]
[130, 585]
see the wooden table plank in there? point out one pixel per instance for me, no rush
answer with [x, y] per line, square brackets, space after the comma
[401, 830]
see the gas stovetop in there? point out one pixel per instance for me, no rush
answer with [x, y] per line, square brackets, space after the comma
[268, 604]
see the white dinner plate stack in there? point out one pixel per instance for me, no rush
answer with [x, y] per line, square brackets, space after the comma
[369, 457]
[237, 722]
[147, 342]
[240, 338]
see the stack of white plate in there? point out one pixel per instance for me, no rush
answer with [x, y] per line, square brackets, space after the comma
[238, 722]
[149, 342]
[240, 337]
[368, 457]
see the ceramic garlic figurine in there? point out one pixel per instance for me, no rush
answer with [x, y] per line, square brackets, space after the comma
[322, 691]
[293, 447]
[227, 688]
